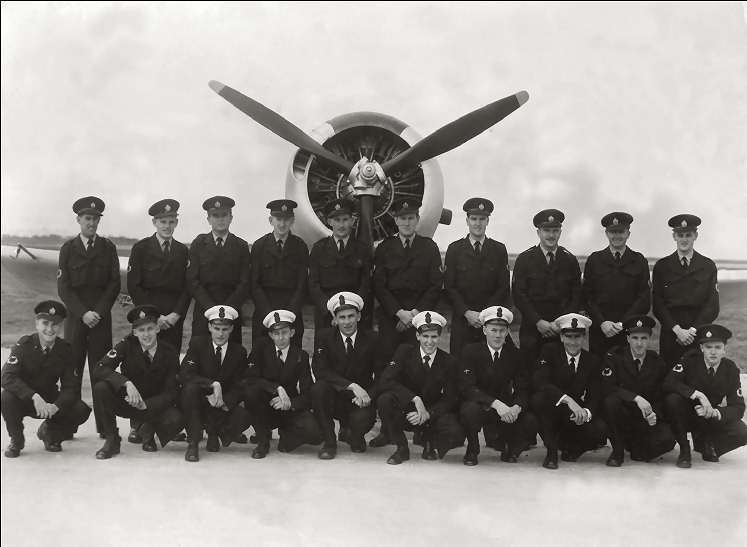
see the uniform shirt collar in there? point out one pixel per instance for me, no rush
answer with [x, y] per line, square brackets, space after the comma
[546, 250]
[343, 239]
[283, 353]
[223, 351]
[576, 359]
[283, 239]
[432, 356]
[689, 255]
[215, 237]
[151, 351]
[633, 357]
[494, 351]
[402, 239]
[715, 367]
[345, 337]
[161, 240]
[613, 251]
[472, 240]
[51, 346]
[85, 239]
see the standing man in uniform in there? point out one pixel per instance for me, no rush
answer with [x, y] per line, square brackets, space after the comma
[407, 276]
[547, 284]
[88, 283]
[281, 262]
[219, 268]
[634, 401]
[338, 263]
[616, 285]
[685, 290]
[477, 276]
[37, 363]
[704, 396]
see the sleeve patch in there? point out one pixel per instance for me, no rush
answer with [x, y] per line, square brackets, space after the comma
[112, 353]
[468, 371]
[393, 363]
[607, 372]
[542, 362]
[739, 392]
[129, 268]
[12, 360]
[678, 367]
[59, 273]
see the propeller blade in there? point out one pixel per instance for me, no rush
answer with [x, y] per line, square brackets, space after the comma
[278, 125]
[457, 132]
[365, 223]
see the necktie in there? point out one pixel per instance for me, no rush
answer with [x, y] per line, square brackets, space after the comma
[684, 262]
[148, 358]
[637, 364]
[280, 355]
[711, 372]
[477, 247]
[426, 361]
[89, 245]
[342, 245]
[617, 256]
[495, 357]
[219, 355]
[551, 258]
[219, 242]
[280, 245]
[166, 247]
[407, 244]
[45, 350]
[572, 363]
[348, 345]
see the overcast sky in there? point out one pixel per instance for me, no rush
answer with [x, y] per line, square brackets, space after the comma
[632, 107]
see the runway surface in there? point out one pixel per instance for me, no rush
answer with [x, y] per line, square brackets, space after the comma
[140, 498]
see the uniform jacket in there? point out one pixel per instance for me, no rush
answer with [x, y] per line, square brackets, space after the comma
[331, 272]
[219, 276]
[482, 381]
[685, 297]
[28, 371]
[269, 372]
[554, 377]
[279, 278]
[333, 364]
[620, 375]
[159, 280]
[200, 366]
[546, 292]
[474, 282]
[407, 376]
[88, 280]
[614, 291]
[156, 382]
[724, 391]
[407, 279]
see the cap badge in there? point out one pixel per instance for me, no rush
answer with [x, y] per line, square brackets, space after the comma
[277, 317]
[167, 207]
[93, 204]
[684, 223]
[283, 207]
[551, 218]
[142, 314]
[405, 205]
[574, 323]
[615, 221]
[52, 311]
[342, 300]
[499, 312]
[639, 323]
[337, 206]
[217, 204]
[709, 334]
[427, 317]
[481, 206]
[221, 312]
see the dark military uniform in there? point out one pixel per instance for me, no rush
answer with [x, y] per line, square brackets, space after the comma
[29, 370]
[474, 282]
[279, 281]
[88, 280]
[331, 271]
[405, 279]
[407, 376]
[683, 296]
[613, 290]
[267, 372]
[554, 378]
[724, 392]
[482, 380]
[623, 379]
[335, 369]
[200, 368]
[159, 278]
[218, 275]
[156, 380]
[543, 290]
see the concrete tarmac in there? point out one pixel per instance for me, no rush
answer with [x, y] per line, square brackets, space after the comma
[140, 498]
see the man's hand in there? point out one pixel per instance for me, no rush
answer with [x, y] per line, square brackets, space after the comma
[172, 318]
[545, 328]
[43, 409]
[422, 414]
[282, 401]
[133, 397]
[610, 329]
[361, 397]
[684, 337]
[702, 399]
[405, 316]
[215, 399]
[473, 318]
[401, 327]
[91, 319]
[705, 412]
[651, 419]
[643, 405]
[504, 413]
[578, 414]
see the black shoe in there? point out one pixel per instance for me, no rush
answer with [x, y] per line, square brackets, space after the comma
[102, 436]
[50, 444]
[684, 460]
[241, 439]
[508, 457]
[402, 454]
[327, 452]
[212, 443]
[149, 445]
[180, 437]
[110, 448]
[358, 445]
[261, 450]
[15, 447]
[344, 434]
[428, 452]
[378, 441]
[551, 460]
[709, 452]
[636, 457]
[134, 437]
[193, 452]
[253, 439]
[470, 458]
[569, 456]
[615, 460]
[282, 446]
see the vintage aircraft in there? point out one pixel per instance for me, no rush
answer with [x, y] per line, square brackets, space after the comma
[371, 157]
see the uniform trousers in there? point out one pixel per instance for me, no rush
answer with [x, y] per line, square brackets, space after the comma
[559, 432]
[329, 404]
[199, 414]
[629, 429]
[61, 426]
[474, 416]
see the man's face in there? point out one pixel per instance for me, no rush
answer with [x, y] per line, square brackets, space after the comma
[477, 225]
[495, 334]
[47, 330]
[147, 334]
[281, 226]
[282, 336]
[573, 342]
[685, 240]
[341, 225]
[165, 226]
[638, 342]
[88, 224]
[617, 237]
[549, 237]
[407, 223]
[713, 352]
[429, 340]
[220, 331]
[347, 321]
[220, 221]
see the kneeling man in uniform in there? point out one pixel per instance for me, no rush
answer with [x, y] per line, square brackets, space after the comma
[420, 393]
[705, 397]
[567, 384]
[212, 375]
[29, 379]
[144, 389]
[494, 383]
[278, 392]
[633, 406]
